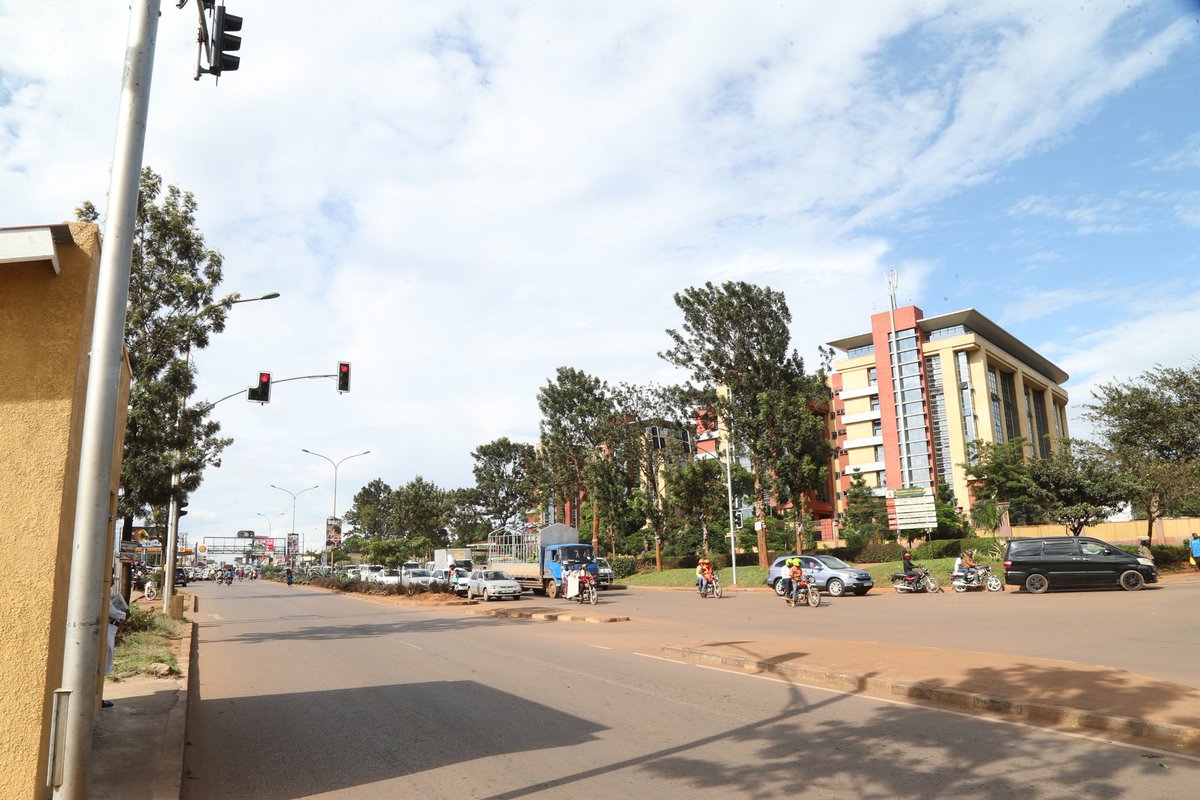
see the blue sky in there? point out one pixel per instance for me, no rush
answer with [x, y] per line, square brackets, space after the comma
[460, 197]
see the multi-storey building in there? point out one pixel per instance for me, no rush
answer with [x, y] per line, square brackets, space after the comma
[913, 391]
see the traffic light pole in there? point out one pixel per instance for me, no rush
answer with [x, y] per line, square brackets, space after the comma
[73, 714]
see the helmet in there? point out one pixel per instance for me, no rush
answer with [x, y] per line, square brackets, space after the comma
[908, 555]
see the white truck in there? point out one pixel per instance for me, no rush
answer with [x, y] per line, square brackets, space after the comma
[461, 556]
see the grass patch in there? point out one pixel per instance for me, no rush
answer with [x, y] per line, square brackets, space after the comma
[147, 638]
[747, 576]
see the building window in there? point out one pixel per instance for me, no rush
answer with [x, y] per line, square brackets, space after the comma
[1008, 384]
[944, 333]
[876, 427]
[1040, 425]
[874, 402]
[997, 412]
[865, 350]
[937, 420]
[963, 375]
[872, 375]
[879, 452]
[907, 382]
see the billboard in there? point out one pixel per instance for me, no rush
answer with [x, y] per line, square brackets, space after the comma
[333, 532]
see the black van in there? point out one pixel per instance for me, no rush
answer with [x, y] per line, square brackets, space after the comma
[1064, 562]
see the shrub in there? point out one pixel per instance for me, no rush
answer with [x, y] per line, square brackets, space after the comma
[878, 552]
[624, 566]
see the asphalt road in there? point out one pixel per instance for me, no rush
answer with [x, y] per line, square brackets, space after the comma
[311, 694]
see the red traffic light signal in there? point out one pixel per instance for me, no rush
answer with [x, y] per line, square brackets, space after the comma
[343, 376]
[262, 392]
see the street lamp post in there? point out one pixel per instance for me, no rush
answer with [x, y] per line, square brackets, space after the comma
[173, 506]
[335, 464]
[294, 496]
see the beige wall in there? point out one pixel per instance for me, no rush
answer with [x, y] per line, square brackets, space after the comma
[1166, 531]
[45, 331]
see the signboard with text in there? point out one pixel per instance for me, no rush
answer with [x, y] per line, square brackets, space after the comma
[911, 508]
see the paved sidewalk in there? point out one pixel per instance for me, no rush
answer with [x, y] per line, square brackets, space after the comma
[137, 749]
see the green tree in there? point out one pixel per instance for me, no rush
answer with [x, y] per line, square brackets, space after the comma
[577, 413]
[372, 513]
[999, 474]
[951, 524]
[468, 523]
[1079, 486]
[504, 486]
[172, 311]
[422, 514]
[735, 343]
[1150, 428]
[866, 514]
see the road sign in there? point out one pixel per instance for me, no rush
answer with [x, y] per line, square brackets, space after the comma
[911, 508]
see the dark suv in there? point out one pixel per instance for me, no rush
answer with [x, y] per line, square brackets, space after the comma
[1065, 562]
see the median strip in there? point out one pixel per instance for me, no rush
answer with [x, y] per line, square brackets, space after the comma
[953, 698]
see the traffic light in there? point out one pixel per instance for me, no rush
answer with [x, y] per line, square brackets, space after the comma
[181, 508]
[262, 392]
[224, 42]
[343, 376]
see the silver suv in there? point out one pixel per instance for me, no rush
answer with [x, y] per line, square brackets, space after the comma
[829, 573]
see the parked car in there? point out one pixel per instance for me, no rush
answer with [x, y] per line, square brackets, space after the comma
[489, 583]
[829, 573]
[420, 577]
[181, 576]
[443, 576]
[386, 576]
[1065, 562]
[604, 573]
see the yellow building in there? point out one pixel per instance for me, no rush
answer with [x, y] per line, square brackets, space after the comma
[913, 391]
[48, 282]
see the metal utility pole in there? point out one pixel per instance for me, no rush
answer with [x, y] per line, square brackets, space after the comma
[87, 611]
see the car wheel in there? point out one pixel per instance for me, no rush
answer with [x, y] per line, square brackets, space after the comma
[1037, 583]
[487, 596]
[1131, 580]
[780, 588]
[835, 587]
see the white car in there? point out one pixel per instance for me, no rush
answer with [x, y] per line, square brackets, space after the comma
[387, 576]
[489, 583]
[604, 573]
[460, 585]
[420, 577]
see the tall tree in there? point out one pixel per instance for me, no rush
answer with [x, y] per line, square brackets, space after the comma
[866, 514]
[577, 412]
[735, 343]
[504, 485]
[468, 523]
[1150, 427]
[422, 512]
[372, 512]
[172, 311]
[998, 474]
[1078, 486]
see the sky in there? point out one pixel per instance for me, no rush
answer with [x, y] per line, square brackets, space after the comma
[459, 198]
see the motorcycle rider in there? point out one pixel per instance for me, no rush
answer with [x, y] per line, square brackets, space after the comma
[908, 565]
[707, 575]
[795, 578]
[970, 568]
[700, 574]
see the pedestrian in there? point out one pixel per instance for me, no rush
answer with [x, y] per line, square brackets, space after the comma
[1144, 550]
[118, 610]
[1194, 546]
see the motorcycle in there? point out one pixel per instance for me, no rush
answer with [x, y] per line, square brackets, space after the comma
[806, 593]
[587, 590]
[975, 579]
[917, 581]
[228, 579]
[711, 588]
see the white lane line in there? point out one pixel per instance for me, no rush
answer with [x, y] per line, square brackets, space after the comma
[410, 644]
[1156, 747]
[659, 658]
[601, 647]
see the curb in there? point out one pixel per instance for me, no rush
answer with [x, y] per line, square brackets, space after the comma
[547, 616]
[168, 773]
[953, 698]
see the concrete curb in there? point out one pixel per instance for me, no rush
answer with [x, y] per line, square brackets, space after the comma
[953, 698]
[168, 772]
[546, 616]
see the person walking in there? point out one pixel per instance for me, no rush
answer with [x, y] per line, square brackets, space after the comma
[1194, 547]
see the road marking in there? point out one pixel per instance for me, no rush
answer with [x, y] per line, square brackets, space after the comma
[1165, 749]
[410, 644]
[659, 658]
[601, 647]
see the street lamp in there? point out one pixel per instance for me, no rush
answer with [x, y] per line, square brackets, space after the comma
[270, 529]
[336, 464]
[173, 506]
[294, 496]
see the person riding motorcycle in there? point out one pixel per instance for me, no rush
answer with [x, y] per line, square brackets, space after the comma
[229, 576]
[700, 576]
[908, 565]
[795, 577]
[707, 575]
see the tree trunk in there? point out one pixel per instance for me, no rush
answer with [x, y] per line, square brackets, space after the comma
[595, 526]
[799, 532]
[760, 520]
[704, 532]
[1152, 513]
[658, 551]
[126, 577]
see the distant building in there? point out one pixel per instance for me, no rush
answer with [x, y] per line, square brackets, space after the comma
[913, 391]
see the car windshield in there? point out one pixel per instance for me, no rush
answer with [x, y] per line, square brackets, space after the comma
[603, 562]
[833, 562]
[418, 573]
[496, 575]
[576, 553]
[392, 572]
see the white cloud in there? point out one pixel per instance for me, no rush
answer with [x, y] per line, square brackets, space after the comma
[459, 198]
